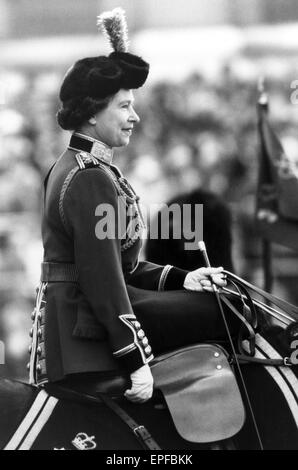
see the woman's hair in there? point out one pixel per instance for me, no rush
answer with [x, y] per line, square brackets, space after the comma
[76, 111]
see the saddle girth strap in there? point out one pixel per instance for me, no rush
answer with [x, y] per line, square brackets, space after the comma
[142, 433]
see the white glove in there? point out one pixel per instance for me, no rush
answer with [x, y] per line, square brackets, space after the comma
[142, 385]
[199, 280]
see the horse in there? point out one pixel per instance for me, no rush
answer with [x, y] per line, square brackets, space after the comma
[263, 361]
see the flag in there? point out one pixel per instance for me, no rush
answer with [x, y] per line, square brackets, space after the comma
[277, 193]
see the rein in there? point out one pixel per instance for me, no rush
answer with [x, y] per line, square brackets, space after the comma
[290, 310]
[288, 319]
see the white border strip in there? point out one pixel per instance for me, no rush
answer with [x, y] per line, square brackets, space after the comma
[39, 424]
[280, 381]
[273, 354]
[27, 421]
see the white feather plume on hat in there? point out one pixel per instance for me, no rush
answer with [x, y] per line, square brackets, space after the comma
[113, 25]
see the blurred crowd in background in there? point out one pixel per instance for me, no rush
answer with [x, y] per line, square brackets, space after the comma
[195, 132]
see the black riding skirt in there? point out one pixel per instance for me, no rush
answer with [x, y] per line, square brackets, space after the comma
[178, 318]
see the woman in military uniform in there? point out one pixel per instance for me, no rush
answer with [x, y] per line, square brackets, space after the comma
[100, 310]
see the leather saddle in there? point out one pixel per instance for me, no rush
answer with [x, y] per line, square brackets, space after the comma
[201, 392]
[199, 387]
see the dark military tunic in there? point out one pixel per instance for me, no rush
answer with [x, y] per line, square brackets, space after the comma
[84, 320]
[98, 308]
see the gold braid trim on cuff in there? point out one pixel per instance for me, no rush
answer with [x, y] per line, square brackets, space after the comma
[163, 276]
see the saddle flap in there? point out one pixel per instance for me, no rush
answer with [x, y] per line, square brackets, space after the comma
[201, 392]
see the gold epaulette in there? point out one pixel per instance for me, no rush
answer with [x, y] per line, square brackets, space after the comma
[86, 160]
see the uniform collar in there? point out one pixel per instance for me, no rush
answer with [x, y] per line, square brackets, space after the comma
[95, 147]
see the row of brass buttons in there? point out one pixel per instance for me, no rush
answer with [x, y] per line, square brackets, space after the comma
[143, 338]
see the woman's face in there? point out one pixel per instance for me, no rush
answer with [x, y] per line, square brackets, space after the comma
[114, 124]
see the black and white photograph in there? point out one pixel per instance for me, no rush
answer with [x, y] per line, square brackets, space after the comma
[149, 227]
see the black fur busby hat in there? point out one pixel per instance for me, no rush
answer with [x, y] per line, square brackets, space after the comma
[99, 77]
